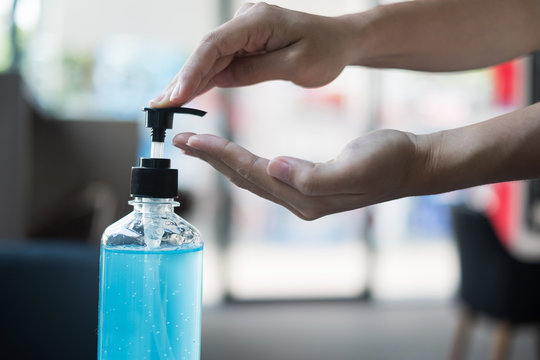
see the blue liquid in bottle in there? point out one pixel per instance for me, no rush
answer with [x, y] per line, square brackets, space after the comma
[150, 290]
[151, 306]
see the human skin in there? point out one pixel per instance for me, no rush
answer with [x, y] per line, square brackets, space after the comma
[264, 42]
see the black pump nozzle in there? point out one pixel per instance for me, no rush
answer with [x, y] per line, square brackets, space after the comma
[154, 177]
[161, 119]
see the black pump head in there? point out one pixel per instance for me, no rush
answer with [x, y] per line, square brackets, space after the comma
[160, 119]
[154, 176]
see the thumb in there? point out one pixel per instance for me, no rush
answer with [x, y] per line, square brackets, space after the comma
[307, 177]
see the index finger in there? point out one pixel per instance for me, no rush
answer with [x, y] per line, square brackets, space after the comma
[204, 62]
[249, 166]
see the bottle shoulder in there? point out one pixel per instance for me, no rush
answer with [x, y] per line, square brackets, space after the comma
[136, 228]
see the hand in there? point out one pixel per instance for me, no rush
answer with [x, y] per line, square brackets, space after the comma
[379, 166]
[262, 42]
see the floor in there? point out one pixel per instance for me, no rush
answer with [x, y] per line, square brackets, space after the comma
[343, 331]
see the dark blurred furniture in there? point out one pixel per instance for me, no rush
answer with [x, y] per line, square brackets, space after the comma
[60, 177]
[493, 283]
[15, 156]
[49, 301]
[80, 176]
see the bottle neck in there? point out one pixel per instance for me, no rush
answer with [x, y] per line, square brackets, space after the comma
[160, 205]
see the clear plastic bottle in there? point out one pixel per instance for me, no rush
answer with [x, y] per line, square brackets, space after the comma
[150, 285]
[151, 267]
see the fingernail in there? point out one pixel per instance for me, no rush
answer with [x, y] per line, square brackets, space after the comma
[181, 139]
[176, 92]
[279, 169]
[182, 146]
[192, 141]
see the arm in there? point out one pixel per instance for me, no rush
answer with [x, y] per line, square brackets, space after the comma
[264, 42]
[433, 35]
[382, 165]
[501, 149]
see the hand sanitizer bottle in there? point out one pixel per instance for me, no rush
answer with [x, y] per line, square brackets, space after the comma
[151, 266]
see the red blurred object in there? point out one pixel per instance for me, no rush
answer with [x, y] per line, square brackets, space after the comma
[502, 213]
[319, 97]
[506, 83]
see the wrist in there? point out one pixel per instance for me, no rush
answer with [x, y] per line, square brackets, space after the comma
[421, 178]
[359, 37]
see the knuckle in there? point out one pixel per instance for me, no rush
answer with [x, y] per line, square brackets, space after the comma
[212, 43]
[261, 6]
[226, 150]
[243, 166]
[264, 11]
[244, 7]
[247, 170]
[210, 38]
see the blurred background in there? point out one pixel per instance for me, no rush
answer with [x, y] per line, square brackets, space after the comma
[376, 283]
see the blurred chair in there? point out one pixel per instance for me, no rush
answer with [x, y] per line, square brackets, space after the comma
[493, 284]
[49, 301]
[50, 164]
[80, 176]
[81, 216]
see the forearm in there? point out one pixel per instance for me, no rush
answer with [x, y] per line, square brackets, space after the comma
[501, 149]
[443, 35]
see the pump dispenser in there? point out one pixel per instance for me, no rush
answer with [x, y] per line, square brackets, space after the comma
[154, 177]
[159, 120]
[151, 265]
